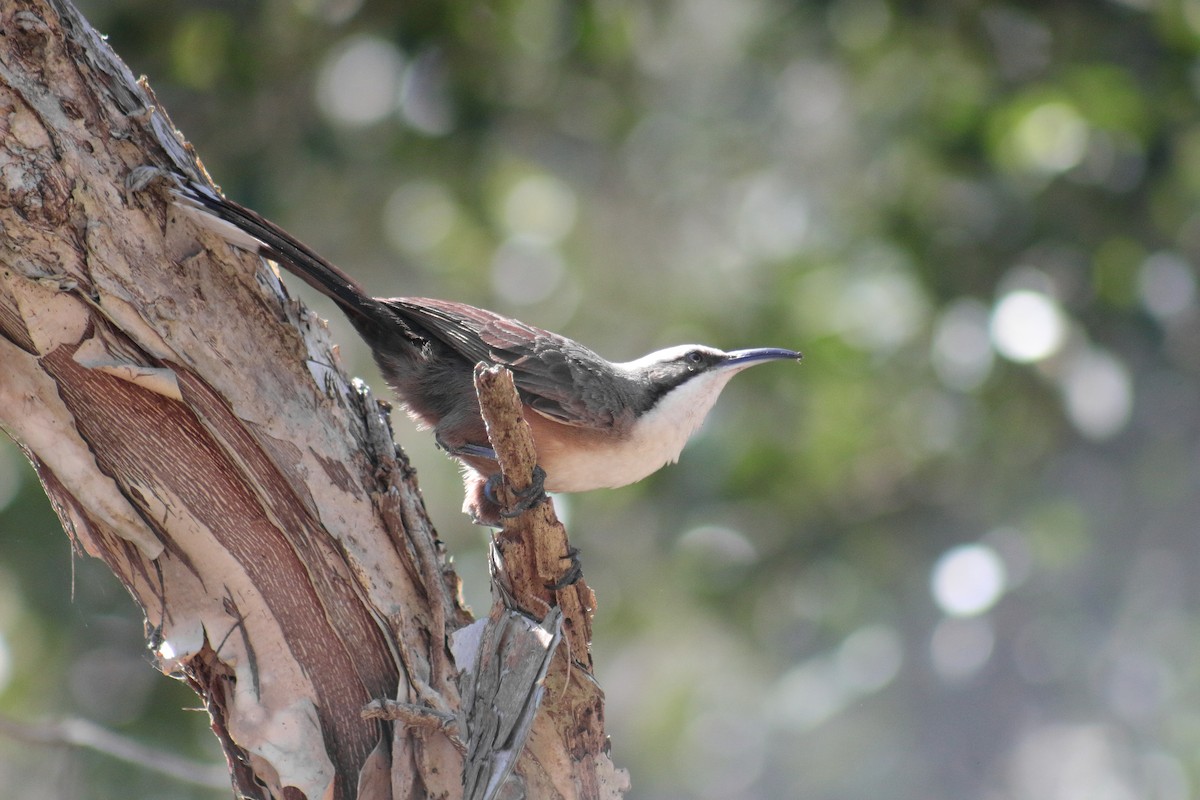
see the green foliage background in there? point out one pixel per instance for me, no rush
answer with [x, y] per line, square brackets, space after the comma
[868, 181]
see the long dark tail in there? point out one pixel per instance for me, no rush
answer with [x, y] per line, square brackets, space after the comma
[280, 246]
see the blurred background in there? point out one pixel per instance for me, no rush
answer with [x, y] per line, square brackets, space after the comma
[947, 557]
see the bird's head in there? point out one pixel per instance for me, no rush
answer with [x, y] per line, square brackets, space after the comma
[677, 387]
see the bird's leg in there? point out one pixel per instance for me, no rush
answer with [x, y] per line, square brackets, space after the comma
[527, 498]
[476, 505]
[465, 450]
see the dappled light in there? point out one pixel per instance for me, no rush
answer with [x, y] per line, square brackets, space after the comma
[968, 580]
[360, 84]
[947, 556]
[1027, 326]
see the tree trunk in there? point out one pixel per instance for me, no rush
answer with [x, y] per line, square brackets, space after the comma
[192, 428]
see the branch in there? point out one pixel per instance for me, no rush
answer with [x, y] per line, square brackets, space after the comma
[76, 732]
[195, 431]
[531, 556]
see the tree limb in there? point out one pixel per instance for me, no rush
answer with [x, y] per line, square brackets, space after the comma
[193, 429]
[76, 732]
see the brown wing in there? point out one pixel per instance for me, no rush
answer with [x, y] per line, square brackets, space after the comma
[550, 370]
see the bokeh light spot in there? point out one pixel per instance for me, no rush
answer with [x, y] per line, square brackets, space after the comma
[961, 350]
[425, 102]
[200, 48]
[1098, 393]
[419, 216]
[359, 83]
[1027, 326]
[968, 580]
[1166, 284]
[808, 695]
[1065, 762]
[720, 544]
[870, 658]
[1051, 138]
[811, 95]
[881, 309]
[540, 207]
[772, 218]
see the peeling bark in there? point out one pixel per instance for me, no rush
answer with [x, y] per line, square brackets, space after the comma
[192, 429]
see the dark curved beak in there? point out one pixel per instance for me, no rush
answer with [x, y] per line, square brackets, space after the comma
[758, 355]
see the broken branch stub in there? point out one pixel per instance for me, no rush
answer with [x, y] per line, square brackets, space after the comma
[531, 554]
[533, 546]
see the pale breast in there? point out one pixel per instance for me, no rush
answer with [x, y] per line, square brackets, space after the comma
[579, 459]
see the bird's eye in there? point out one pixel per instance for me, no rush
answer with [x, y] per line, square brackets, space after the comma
[694, 358]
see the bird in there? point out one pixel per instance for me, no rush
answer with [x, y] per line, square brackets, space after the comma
[596, 423]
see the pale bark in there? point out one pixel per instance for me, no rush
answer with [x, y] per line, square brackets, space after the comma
[193, 429]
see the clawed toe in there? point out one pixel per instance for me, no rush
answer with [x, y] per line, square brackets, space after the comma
[573, 574]
[527, 498]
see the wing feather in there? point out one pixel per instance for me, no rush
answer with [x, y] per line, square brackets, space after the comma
[551, 372]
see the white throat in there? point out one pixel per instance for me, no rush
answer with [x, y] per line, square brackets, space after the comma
[666, 428]
[656, 439]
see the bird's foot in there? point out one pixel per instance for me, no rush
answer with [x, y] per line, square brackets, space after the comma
[573, 573]
[527, 498]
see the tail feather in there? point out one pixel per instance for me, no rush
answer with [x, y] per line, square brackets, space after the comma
[247, 230]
